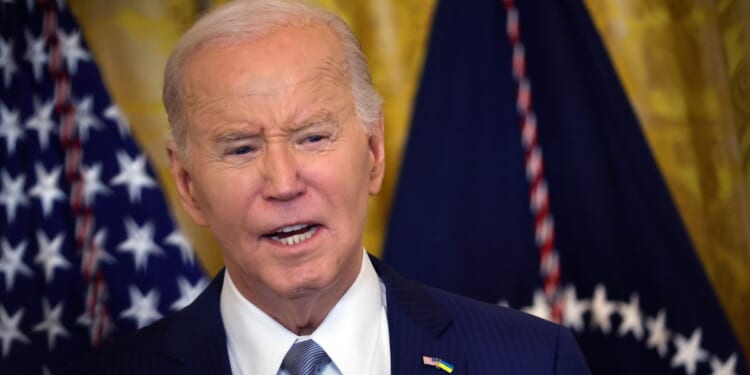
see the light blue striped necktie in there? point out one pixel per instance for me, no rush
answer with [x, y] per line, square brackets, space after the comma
[305, 358]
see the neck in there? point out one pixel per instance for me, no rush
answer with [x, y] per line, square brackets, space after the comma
[302, 311]
[303, 317]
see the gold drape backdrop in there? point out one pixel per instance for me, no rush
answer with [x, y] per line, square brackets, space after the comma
[686, 67]
[684, 63]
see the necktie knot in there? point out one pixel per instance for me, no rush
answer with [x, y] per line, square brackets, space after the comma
[305, 358]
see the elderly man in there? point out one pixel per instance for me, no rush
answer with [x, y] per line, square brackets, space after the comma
[278, 143]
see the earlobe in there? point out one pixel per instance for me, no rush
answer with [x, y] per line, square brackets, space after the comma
[184, 184]
[377, 156]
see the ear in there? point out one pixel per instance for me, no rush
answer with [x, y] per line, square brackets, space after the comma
[376, 144]
[184, 182]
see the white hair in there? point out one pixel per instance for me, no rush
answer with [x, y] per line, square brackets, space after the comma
[246, 20]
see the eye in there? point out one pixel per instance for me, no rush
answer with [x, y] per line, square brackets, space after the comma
[314, 138]
[242, 150]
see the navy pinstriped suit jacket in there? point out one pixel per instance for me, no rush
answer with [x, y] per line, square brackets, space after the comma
[475, 337]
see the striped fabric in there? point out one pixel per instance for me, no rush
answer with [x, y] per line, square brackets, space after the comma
[305, 358]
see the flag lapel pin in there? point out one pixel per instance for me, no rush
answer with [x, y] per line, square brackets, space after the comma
[437, 362]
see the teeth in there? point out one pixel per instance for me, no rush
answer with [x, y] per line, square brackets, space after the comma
[292, 228]
[296, 238]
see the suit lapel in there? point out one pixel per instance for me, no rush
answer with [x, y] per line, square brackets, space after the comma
[417, 326]
[196, 341]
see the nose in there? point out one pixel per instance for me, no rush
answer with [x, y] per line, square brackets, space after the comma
[281, 174]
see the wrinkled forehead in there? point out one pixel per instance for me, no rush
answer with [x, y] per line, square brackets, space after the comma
[283, 78]
[266, 64]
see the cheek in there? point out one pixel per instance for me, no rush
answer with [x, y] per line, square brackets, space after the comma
[359, 171]
[224, 196]
[345, 182]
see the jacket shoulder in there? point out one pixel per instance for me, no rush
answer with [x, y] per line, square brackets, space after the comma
[186, 341]
[131, 353]
[492, 333]
[489, 320]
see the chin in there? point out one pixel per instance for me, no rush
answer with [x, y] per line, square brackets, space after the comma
[307, 282]
[303, 290]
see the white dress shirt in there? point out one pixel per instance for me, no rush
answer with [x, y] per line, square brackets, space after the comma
[354, 334]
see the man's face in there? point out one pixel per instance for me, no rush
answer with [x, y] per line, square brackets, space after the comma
[280, 167]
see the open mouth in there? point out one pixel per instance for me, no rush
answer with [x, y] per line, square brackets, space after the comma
[293, 234]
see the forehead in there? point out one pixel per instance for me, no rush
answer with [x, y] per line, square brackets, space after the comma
[281, 59]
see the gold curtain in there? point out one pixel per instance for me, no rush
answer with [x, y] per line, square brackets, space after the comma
[684, 64]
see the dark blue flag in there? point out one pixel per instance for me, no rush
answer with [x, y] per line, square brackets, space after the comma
[527, 181]
[87, 245]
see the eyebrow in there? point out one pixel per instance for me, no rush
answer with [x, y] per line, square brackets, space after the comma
[315, 119]
[233, 135]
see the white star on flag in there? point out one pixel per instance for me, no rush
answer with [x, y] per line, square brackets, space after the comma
[631, 318]
[36, 54]
[659, 335]
[574, 309]
[114, 113]
[92, 185]
[142, 307]
[46, 188]
[10, 128]
[85, 118]
[42, 123]
[179, 240]
[689, 352]
[7, 63]
[188, 292]
[9, 330]
[133, 174]
[49, 256]
[724, 368]
[11, 263]
[71, 50]
[601, 309]
[140, 243]
[51, 323]
[12, 195]
[539, 306]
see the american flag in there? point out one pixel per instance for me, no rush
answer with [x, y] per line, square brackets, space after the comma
[430, 361]
[88, 249]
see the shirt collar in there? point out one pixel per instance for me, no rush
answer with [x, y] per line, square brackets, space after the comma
[350, 332]
[255, 341]
[258, 343]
